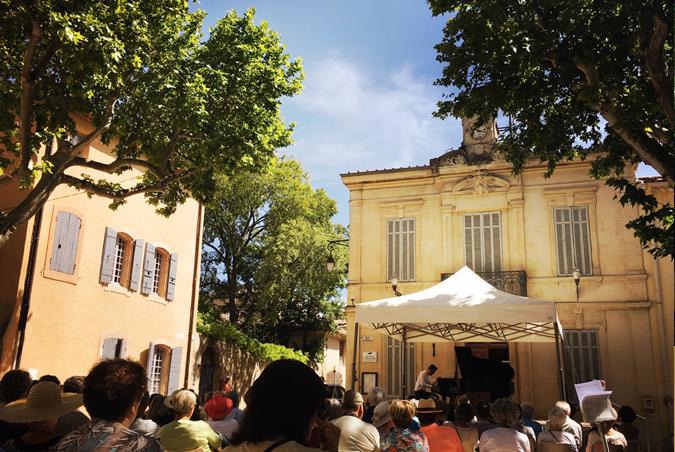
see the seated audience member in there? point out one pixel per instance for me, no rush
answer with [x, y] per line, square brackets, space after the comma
[466, 429]
[197, 413]
[355, 434]
[183, 433]
[74, 384]
[570, 425]
[520, 426]
[218, 410]
[382, 419]
[615, 439]
[483, 420]
[402, 438]
[282, 420]
[554, 432]
[625, 425]
[75, 419]
[440, 437]
[158, 412]
[375, 396]
[527, 419]
[504, 437]
[332, 409]
[52, 378]
[40, 411]
[236, 413]
[112, 392]
[13, 386]
[142, 424]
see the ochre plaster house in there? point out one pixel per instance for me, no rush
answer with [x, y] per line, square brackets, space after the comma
[105, 284]
[526, 234]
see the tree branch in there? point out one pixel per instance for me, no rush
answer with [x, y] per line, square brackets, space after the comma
[27, 94]
[119, 164]
[653, 34]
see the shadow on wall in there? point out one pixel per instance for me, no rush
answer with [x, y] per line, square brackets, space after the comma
[228, 360]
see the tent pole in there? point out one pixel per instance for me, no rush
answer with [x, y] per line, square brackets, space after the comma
[561, 373]
[355, 355]
[405, 362]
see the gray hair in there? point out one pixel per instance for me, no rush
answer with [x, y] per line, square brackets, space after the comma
[564, 406]
[556, 418]
[183, 402]
[375, 395]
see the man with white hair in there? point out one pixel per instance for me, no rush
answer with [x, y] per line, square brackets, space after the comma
[375, 396]
[570, 425]
[356, 435]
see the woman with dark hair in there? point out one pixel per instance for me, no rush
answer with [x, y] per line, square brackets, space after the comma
[142, 424]
[466, 430]
[158, 412]
[282, 406]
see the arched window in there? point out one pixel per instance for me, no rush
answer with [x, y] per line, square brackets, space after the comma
[159, 361]
[122, 256]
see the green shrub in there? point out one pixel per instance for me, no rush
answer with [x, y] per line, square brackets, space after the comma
[210, 326]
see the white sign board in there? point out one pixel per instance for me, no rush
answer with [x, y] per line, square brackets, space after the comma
[369, 357]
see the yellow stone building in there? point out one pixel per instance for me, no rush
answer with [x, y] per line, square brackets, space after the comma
[527, 233]
[105, 283]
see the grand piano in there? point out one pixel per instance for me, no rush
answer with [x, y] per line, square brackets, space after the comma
[478, 375]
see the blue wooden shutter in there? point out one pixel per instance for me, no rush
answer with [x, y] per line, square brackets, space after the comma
[137, 264]
[171, 286]
[148, 270]
[108, 260]
[59, 242]
[109, 348]
[68, 256]
[174, 370]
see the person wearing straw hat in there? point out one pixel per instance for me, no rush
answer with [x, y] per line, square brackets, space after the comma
[40, 410]
[440, 437]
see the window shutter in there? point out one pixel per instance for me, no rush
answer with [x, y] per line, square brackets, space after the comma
[109, 347]
[151, 354]
[108, 260]
[468, 241]
[123, 348]
[171, 285]
[411, 249]
[497, 241]
[136, 265]
[59, 242]
[405, 251]
[148, 270]
[390, 249]
[72, 239]
[174, 370]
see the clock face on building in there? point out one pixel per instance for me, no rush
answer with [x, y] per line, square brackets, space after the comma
[480, 132]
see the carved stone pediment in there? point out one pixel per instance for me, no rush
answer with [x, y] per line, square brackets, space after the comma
[475, 154]
[480, 183]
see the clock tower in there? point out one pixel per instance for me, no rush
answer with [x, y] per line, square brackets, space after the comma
[478, 143]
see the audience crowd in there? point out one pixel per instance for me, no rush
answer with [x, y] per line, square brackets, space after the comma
[286, 411]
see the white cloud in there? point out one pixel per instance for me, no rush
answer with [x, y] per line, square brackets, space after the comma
[347, 120]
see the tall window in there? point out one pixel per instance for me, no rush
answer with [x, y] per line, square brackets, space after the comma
[118, 266]
[483, 241]
[582, 356]
[401, 249]
[573, 240]
[158, 272]
[120, 263]
[155, 372]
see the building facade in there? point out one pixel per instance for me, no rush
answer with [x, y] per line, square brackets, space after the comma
[525, 234]
[105, 283]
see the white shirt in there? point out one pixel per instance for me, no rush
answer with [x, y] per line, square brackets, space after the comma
[356, 435]
[502, 439]
[423, 382]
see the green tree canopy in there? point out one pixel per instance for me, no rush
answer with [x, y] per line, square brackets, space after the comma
[265, 251]
[178, 108]
[576, 78]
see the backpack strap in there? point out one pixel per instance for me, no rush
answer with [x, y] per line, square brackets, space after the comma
[277, 444]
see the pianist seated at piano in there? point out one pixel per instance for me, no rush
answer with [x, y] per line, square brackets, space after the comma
[425, 383]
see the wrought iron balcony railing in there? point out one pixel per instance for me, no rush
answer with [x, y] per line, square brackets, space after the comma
[514, 282]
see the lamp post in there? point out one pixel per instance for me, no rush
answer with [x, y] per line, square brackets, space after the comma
[576, 275]
[330, 260]
[394, 285]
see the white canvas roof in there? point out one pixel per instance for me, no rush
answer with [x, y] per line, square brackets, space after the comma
[462, 308]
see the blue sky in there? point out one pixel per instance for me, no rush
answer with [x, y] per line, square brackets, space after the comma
[368, 93]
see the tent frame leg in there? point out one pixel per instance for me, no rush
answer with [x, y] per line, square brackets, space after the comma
[405, 364]
[561, 371]
[355, 355]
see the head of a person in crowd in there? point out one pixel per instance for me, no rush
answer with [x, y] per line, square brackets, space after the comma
[218, 407]
[505, 412]
[289, 413]
[402, 412]
[113, 390]
[375, 395]
[442, 406]
[432, 369]
[564, 406]
[332, 409]
[183, 403]
[14, 385]
[607, 425]
[158, 412]
[352, 403]
[74, 384]
[234, 397]
[464, 414]
[627, 414]
[381, 418]
[483, 411]
[52, 378]
[41, 409]
[556, 418]
[427, 411]
[143, 405]
[197, 412]
[462, 398]
[528, 410]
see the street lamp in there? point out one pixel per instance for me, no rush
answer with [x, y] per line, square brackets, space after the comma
[330, 263]
[330, 260]
[394, 285]
[576, 275]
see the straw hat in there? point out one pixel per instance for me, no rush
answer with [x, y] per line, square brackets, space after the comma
[427, 406]
[45, 401]
[381, 414]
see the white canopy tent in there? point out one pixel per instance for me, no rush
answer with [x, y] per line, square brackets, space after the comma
[463, 308]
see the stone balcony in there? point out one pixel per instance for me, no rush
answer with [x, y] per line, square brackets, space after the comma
[514, 282]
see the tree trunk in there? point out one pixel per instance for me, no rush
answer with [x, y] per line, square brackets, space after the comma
[232, 307]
